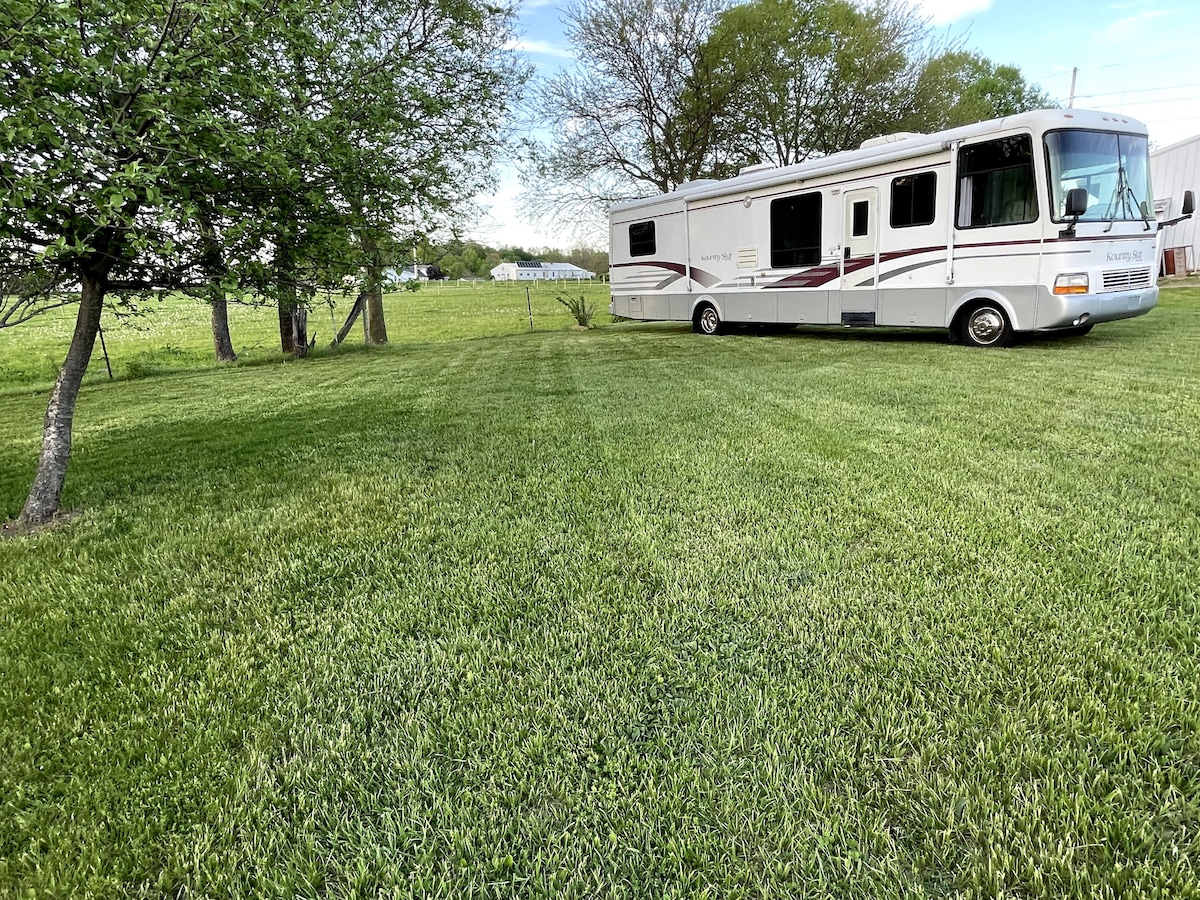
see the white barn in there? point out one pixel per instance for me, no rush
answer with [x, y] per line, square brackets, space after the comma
[533, 270]
[1173, 170]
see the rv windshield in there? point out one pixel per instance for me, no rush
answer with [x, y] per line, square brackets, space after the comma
[1114, 169]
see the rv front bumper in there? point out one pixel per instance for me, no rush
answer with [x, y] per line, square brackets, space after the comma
[1071, 310]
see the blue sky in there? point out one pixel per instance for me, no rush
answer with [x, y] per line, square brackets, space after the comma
[1136, 57]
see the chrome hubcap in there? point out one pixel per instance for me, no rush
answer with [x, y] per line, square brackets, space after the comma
[986, 325]
[708, 321]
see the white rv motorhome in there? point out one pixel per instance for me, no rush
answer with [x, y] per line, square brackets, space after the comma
[1042, 221]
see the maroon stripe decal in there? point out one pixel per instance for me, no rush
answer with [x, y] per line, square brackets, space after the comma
[705, 279]
[819, 276]
[814, 277]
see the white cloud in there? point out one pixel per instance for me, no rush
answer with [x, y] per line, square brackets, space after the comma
[1127, 29]
[943, 12]
[545, 48]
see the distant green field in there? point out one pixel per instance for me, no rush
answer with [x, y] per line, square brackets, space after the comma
[174, 333]
[627, 612]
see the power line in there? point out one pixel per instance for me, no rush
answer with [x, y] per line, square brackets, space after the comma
[1143, 104]
[1173, 87]
[1091, 69]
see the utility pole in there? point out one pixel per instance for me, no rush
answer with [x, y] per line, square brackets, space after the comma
[1071, 100]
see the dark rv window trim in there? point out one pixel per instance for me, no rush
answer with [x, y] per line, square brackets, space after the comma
[1033, 175]
[799, 256]
[910, 207]
[643, 244]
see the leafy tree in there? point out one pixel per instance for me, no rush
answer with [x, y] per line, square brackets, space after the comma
[515, 254]
[590, 259]
[227, 144]
[423, 85]
[103, 105]
[811, 77]
[634, 116]
[959, 87]
[673, 91]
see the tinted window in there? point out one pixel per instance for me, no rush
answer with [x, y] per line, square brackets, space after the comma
[862, 209]
[914, 200]
[1114, 169]
[796, 231]
[995, 183]
[641, 239]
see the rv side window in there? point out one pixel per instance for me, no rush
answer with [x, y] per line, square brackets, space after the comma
[914, 200]
[641, 239]
[796, 231]
[995, 183]
[862, 216]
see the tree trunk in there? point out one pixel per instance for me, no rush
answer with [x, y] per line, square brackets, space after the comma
[287, 342]
[222, 342]
[214, 267]
[41, 506]
[299, 330]
[293, 333]
[374, 326]
[355, 310]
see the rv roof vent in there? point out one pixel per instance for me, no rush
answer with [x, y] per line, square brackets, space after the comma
[889, 139]
[757, 167]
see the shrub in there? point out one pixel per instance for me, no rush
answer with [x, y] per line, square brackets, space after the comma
[579, 309]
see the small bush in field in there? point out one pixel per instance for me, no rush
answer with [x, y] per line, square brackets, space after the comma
[579, 309]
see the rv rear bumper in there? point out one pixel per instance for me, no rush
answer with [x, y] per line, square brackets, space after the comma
[1069, 310]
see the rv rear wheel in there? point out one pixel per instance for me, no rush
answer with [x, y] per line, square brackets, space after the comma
[986, 325]
[707, 321]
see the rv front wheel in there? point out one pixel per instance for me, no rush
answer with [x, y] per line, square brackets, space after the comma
[707, 321]
[986, 325]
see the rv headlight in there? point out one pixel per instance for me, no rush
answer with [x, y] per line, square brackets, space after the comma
[1072, 283]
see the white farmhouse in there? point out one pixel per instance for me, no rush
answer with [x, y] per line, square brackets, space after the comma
[533, 270]
[1173, 170]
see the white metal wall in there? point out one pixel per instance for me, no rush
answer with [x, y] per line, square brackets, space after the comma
[1173, 170]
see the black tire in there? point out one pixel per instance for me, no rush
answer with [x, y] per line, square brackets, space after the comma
[986, 325]
[706, 320]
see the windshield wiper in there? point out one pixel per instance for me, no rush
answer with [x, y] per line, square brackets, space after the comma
[1122, 199]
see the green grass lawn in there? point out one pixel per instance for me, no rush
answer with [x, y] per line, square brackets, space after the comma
[175, 333]
[619, 613]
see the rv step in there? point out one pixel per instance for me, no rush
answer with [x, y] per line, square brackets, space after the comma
[858, 318]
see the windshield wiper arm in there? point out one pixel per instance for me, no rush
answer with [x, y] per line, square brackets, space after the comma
[1124, 194]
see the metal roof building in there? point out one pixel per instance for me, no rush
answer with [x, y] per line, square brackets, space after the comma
[533, 270]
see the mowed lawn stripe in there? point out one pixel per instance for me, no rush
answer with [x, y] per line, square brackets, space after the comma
[626, 612]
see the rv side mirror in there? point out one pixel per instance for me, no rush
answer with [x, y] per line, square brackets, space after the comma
[1077, 202]
[1189, 203]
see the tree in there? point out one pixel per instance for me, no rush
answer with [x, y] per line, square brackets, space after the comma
[164, 143]
[808, 78]
[673, 91]
[634, 116]
[413, 94]
[102, 104]
[959, 87]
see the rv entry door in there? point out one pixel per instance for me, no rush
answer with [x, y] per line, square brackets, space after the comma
[860, 256]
